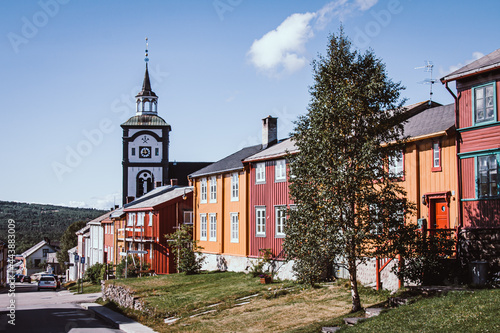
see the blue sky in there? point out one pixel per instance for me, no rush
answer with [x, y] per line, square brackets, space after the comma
[70, 70]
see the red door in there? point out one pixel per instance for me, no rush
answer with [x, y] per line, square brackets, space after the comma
[440, 215]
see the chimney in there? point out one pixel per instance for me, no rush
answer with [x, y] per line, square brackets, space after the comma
[269, 131]
[157, 184]
[130, 199]
[116, 206]
[173, 181]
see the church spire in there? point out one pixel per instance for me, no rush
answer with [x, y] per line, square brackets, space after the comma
[146, 100]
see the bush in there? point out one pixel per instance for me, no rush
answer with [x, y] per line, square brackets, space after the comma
[95, 273]
[133, 267]
[186, 251]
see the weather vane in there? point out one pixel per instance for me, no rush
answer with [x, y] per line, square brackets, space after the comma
[146, 59]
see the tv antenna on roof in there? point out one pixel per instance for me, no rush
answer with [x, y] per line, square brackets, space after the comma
[428, 68]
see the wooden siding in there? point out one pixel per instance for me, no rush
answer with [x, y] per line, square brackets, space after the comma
[465, 108]
[420, 180]
[270, 195]
[481, 213]
[241, 208]
[223, 209]
[468, 178]
[480, 139]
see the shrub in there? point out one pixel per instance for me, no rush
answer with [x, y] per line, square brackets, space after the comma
[95, 273]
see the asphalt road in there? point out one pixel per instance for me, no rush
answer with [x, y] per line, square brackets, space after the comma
[49, 311]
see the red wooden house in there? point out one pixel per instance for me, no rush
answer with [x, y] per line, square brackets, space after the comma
[477, 120]
[269, 199]
[150, 218]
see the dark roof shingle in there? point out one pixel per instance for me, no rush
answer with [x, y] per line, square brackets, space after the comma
[430, 121]
[228, 163]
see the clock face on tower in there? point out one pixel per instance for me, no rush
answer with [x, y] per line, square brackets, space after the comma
[145, 152]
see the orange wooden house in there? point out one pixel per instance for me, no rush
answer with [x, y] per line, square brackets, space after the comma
[221, 206]
[427, 170]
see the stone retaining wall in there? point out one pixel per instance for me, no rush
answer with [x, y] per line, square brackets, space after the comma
[121, 296]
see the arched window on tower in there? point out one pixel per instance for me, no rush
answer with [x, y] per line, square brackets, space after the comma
[138, 106]
[155, 106]
[145, 181]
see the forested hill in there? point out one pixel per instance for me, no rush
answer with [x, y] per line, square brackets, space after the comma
[36, 221]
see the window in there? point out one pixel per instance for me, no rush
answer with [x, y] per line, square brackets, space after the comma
[436, 156]
[260, 172]
[213, 189]
[203, 227]
[484, 103]
[157, 151]
[235, 187]
[487, 179]
[203, 185]
[376, 225]
[131, 219]
[280, 218]
[396, 165]
[45, 251]
[188, 217]
[133, 151]
[213, 227]
[150, 250]
[150, 222]
[280, 170]
[260, 221]
[140, 219]
[235, 228]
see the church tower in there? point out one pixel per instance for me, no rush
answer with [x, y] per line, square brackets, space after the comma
[145, 145]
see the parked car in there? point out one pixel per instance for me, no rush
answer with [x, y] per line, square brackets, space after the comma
[26, 278]
[18, 277]
[55, 277]
[47, 282]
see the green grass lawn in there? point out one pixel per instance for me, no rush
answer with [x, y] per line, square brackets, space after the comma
[88, 287]
[276, 309]
[458, 311]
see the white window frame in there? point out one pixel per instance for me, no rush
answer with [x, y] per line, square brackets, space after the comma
[436, 154]
[150, 222]
[130, 219]
[203, 190]
[213, 227]
[235, 227]
[203, 227]
[280, 170]
[260, 173]
[213, 189]
[150, 250]
[260, 221]
[235, 186]
[396, 165]
[279, 221]
[140, 219]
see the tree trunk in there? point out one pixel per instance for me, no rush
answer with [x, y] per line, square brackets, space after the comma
[356, 302]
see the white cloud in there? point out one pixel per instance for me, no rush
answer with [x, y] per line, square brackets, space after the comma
[281, 51]
[475, 56]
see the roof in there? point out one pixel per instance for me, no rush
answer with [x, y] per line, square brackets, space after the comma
[172, 192]
[430, 121]
[486, 63]
[146, 85]
[275, 151]
[35, 248]
[117, 213]
[181, 170]
[232, 162]
[83, 230]
[98, 220]
[146, 120]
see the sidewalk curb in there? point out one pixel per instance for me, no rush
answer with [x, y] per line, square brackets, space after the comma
[115, 319]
